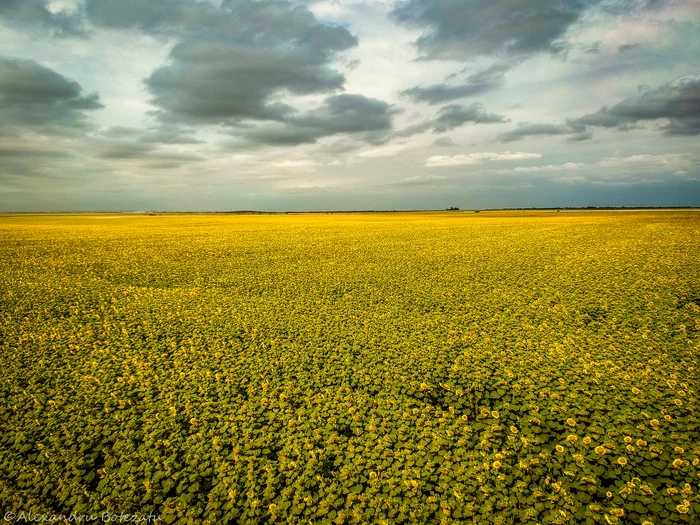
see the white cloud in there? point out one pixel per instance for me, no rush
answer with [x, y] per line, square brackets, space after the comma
[296, 164]
[383, 152]
[550, 167]
[419, 180]
[671, 159]
[443, 161]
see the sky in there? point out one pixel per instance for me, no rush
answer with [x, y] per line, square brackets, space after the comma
[276, 105]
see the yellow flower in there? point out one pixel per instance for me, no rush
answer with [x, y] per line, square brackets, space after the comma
[647, 522]
[630, 448]
[559, 448]
[628, 439]
[496, 465]
[641, 443]
[372, 475]
[618, 513]
[514, 430]
[272, 507]
[578, 458]
[571, 438]
[678, 463]
[622, 461]
[654, 422]
[684, 507]
[570, 422]
[587, 440]
[609, 494]
[667, 417]
[679, 450]
[600, 450]
[495, 414]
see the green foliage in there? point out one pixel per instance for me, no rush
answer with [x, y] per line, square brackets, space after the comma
[419, 368]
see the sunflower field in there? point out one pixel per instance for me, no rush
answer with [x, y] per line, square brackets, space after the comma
[493, 367]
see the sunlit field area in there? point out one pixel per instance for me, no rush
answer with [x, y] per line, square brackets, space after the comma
[493, 367]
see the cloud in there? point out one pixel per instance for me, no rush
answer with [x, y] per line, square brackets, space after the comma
[38, 99]
[463, 29]
[418, 180]
[482, 81]
[306, 165]
[230, 62]
[453, 116]
[382, 152]
[527, 129]
[239, 64]
[568, 166]
[347, 113]
[339, 114]
[677, 101]
[35, 15]
[444, 161]
[160, 135]
[223, 83]
[122, 149]
[444, 142]
[667, 160]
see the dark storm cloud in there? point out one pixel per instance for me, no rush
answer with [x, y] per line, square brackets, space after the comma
[345, 113]
[244, 21]
[232, 61]
[349, 114]
[529, 129]
[480, 82]
[36, 98]
[34, 15]
[217, 82]
[678, 101]
[453, 116]
[462, 29]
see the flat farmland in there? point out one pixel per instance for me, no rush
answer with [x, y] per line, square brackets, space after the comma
[493, 367]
